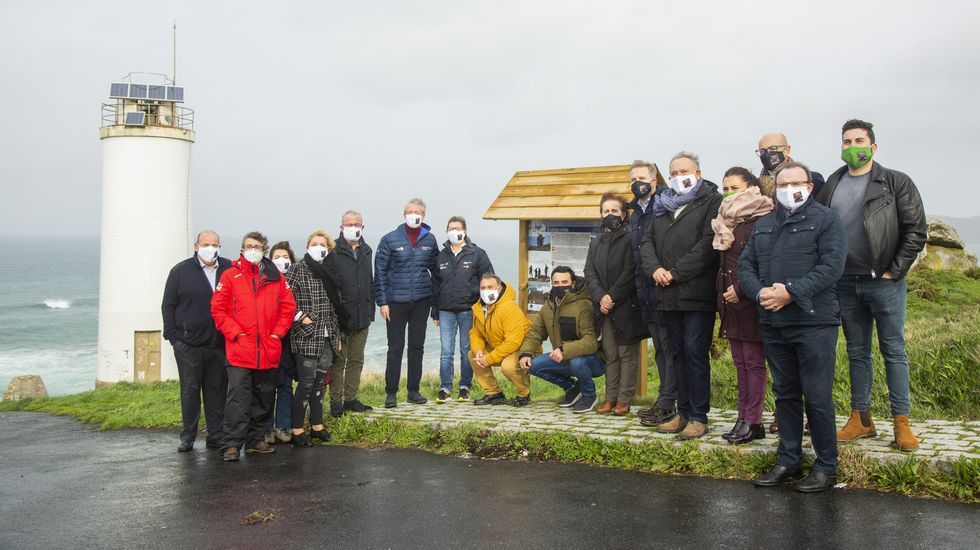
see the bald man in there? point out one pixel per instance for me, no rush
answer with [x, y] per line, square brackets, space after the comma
[198, 346]
[774, 151]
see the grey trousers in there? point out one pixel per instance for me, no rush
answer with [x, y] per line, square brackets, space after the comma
[347, 368]
[667, 396]
[621, 365]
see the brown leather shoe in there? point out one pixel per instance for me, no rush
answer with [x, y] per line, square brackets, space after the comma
[773, 426]
[622, 409]
[261, 448]
[230, 454]
[858, 425]
[905, 440]
[605, 408]
[675, 425]
[693, 430]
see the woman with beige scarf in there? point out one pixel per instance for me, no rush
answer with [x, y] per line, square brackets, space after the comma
[742, 205]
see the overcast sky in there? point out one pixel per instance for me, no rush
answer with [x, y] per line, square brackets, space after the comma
[305, 109]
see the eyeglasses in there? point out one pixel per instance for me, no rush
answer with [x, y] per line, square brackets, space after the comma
[770, 149]
[258, 247]
[786, 184]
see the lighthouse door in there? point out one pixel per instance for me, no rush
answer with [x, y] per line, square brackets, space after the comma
[146, 359]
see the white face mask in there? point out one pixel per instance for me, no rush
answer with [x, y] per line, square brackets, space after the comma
[683, 184]
[317, 252]
[414, 221]
[253, 255]
[456, 236]
[282, 263]
[489, 296]
[792, 197]
[351, 233]
[207, 254]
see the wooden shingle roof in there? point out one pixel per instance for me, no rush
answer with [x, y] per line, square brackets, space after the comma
[559, 194]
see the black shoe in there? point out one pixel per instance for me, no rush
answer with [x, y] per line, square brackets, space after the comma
[185, 446]
[301, 440]
[816, 482]
[337, 409]
[522, 401]
[657, 417]
[322, 435]
[356, 406]
[752, 432]
[492, 399]
[778, 475]
[585, 404]
[211, 445]
[443, 396]
[416, 398]
[391, 401]
[735, 429]
[571, 396]
[464, 394]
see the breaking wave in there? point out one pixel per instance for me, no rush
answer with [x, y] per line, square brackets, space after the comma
[55, 303]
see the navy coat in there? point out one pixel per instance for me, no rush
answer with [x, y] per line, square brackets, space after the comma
[402, 272]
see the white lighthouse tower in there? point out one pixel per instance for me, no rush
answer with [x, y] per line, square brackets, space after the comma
[146, 223]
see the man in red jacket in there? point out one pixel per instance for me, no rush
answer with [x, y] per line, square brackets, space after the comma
[253, 308]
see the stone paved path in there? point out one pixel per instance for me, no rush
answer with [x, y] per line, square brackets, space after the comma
[940, 440]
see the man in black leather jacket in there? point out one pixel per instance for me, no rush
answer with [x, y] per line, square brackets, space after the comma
[886, 229]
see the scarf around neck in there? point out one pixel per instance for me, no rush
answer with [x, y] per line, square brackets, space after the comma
[668, 201]
[736, 210]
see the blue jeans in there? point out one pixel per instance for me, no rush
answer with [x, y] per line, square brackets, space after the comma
[284, 402]
[864, 303]
[688, 345]
[451, 322]
[580, 370]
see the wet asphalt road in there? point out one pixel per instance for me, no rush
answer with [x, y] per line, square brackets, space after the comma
[64, 485]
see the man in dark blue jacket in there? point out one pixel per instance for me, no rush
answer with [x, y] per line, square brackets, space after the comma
[403, 268]
[789, 267]
[198, 346]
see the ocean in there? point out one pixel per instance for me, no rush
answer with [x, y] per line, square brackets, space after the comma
[49, 311]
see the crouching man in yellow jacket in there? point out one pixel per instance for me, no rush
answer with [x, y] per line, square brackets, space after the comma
[499, 327]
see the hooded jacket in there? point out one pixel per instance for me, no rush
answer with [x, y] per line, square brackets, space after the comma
[456, 283]
[569, 326]
[499, 331]
[251, 303]
[356, 283]
[609, 270]
[402, 272]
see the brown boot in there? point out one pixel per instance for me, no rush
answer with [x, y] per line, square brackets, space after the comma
[605, 408]
[675, 425]
[904, 438]
[622, 409]
[693, 430]
[858, 425]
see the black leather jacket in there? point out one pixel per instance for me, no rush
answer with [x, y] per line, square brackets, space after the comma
[894, 218]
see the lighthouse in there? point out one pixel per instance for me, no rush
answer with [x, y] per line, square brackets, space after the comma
[146, 136]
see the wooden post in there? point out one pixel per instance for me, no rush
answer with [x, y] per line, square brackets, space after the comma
[522, 264]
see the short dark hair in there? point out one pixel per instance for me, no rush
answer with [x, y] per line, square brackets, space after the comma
[459, 219]
[858, 124]
[283, 245]
[256, 236]
[493, 276]
[623, 206]
[793, 164]
[563, 269]
[747, 177]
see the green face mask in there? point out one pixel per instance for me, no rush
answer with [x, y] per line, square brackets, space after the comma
[728, 194]
[855, 156]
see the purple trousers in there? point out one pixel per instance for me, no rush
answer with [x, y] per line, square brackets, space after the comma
[750, 364]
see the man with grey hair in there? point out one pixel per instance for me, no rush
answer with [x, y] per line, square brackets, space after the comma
[198, 346]
[403, 269]
[773, 152]
[352, 261]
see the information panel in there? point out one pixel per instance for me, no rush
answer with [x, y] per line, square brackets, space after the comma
[552, 243]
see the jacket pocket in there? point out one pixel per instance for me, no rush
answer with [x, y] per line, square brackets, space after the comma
[567, 329]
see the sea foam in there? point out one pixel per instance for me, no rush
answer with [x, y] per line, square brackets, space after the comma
[55, 303]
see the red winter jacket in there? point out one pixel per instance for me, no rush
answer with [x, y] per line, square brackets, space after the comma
[249, 306]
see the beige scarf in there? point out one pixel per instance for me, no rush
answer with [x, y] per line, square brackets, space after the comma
[736, 210]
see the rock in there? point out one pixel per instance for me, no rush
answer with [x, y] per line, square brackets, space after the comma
[941, 233]
[939, 257]
[25, 386]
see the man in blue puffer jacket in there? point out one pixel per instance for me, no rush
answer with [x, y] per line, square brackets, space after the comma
[403, 268]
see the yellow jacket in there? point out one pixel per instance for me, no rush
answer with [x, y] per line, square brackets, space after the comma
[500, 331]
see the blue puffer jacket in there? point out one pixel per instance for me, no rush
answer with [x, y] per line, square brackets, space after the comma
[403, 273]
[805, 251]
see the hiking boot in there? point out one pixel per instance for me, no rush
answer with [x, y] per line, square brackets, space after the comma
[337, 409]
[524, 401]
[230, 454]
[606, 407]
[657, 417]
[283, 436]
[391, 401]
[321, 435]
[301, 440]
[693, 430]
[622, 409]
[464, 394]
[672, 426]
[443, 396]
[355, 405]
[269, 438]
[905, 440]
[858, 425]
[571, 396]
[585, 404]
[416, 398]
[492, 399]
[262, 448]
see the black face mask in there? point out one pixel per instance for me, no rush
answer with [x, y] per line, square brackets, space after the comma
[559, 292]
[612, 222]
[640, 189]
[771, 160]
